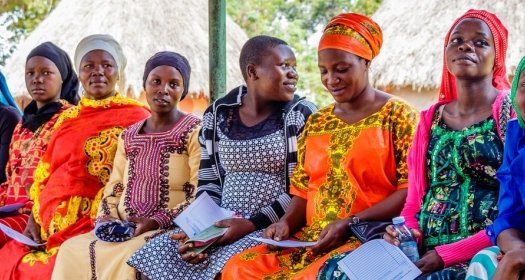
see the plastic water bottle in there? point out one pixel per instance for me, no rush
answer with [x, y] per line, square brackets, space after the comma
[407, 242]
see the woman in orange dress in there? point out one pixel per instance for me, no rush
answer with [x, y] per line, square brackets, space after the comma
[351, 160]
[72, 173]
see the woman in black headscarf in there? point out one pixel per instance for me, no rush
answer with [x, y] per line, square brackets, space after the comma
[53, 85]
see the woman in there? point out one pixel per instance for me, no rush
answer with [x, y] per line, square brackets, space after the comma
[351, 160]
[53, 86]
[248, 142]
[141, 170]
[77, 163]
[457, 149]
[9, 117]
[506, 261]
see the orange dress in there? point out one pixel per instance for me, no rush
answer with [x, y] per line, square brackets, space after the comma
[342, 170]
[69, 180]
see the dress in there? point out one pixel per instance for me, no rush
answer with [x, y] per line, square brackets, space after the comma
[69, 180]
[253, 168]
[26, 149]
[154, 176]
[342, 169]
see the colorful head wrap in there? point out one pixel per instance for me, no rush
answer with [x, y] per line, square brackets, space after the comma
[499, 32]
[174, 60]
[60, 58]
[106, 43]
[5, 95]
[354, 33]
[514, 90]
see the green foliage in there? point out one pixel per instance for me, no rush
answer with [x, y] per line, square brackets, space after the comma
[21, 17]
[296, 21]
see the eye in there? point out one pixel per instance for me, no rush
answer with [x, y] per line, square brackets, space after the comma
[88, 66]
[107, 65]
[481, 43]
[322, 71]
[46, 73]
[174, 85]
[29, 73]
[455, 41]
[341, 69]
[155, 81]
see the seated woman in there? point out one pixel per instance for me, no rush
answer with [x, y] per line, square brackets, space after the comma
[457, 149]
[351, 160]
[507, 260]
[248, 140]
[53, 85]
[157, 159]
[73, 171]
[9, 117]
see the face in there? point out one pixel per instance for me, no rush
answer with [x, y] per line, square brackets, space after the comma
[276, 76]
[164, 88]
[344, 74]
[98, 74]
[520, 94]
[470, 52]
[43, 80]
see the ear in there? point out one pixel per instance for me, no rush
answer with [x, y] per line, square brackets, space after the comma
[252, 72]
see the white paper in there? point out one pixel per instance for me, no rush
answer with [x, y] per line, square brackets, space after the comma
[11, 207]
[387, 261]
[285, 243]
[19, 236]
[201, 214]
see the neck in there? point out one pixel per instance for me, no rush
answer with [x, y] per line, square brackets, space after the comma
[252, 102]
[364, 99]
[159, 122]
[474, 95]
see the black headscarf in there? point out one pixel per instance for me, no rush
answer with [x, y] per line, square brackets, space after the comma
[34, 117]
[174, 60]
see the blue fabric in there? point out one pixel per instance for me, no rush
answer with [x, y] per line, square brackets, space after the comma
[115, 231]
[511, 176]
[5, 94]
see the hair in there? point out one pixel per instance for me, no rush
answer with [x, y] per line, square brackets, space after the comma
[255, 49]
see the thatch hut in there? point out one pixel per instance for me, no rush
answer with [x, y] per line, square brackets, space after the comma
[411, 58]
[142, 28]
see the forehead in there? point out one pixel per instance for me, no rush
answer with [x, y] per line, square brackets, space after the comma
[166, 71]
[279, 51]
[97, 55]
[472, 25]
[40, 61]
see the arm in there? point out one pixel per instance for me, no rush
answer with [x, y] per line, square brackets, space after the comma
[8, 123]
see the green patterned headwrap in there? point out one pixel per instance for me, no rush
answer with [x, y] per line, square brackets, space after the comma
[514, 90]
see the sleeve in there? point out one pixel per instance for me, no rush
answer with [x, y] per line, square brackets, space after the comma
[115, 186]
[209, 179]
[405, 124]
[463, 250]
[9, 120]
[299, 180]
[165, 217]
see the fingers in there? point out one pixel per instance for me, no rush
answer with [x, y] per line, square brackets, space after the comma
[269, 232]
[194, 258]
[416, 233]
[390, 236]
[224, 223]
[178, 236]
[184, 247]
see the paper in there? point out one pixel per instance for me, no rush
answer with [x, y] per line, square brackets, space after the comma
[200, 215]
[388, 262]
[19, 236]
[208, 234]
[11, 207]
[285, 243]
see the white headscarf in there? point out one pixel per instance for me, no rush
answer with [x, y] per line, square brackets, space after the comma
[106, 43]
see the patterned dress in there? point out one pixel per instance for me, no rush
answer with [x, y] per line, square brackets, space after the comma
[342, 169]
[253, 159]
[155, 175]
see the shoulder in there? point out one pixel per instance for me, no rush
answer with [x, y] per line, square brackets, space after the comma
[9, 114]
[514, 130]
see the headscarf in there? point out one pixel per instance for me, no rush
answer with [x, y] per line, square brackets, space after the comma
[35, 117]
[5, 95]
[174, 60]
[61, 59]
[500, 34]
[106, 43]
[514, 90]
[354, 33]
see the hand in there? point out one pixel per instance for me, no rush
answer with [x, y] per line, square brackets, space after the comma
[33, 231]
[511, 265]
[143, 225]
[333, 235]
[190, 257]
[237, 229]
[277, 231]
[391, 235]
[430, 262]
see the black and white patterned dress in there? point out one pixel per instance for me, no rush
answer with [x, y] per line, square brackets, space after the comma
[253, 159]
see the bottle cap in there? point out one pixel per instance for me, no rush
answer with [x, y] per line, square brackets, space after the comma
[398, 220]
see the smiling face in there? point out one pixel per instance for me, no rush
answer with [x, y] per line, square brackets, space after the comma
[164, 88]
[98, 74]
[43, 80]
[276, 75]
[344, 74]
[470, 53]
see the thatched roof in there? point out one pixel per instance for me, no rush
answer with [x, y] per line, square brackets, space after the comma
[142, 28]
[414, 33]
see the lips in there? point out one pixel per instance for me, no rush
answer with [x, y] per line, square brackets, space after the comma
[336, 91]
[160, 101]
[290, 84]
[94, 82]
[38, 90]
[464, 58]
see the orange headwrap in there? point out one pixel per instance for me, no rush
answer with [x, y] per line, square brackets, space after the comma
[500, 34]
[353, 33]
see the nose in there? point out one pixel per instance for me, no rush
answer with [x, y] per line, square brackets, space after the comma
[465, 46]
[97, 70]
[38, 79]
[332, 79]
[292, 73]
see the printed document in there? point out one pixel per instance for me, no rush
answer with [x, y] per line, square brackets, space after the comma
[18, 236]
[285, 243]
